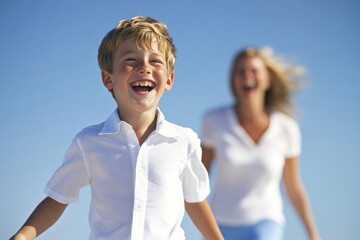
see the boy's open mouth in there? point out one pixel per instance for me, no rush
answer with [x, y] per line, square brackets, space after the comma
[143, 86]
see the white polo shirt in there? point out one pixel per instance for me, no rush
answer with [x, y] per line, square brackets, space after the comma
[248, 176]
[138, 192]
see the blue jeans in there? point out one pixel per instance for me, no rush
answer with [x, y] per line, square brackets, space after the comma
[263, 230]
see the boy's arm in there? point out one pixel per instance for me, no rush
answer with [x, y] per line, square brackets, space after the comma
[201, 214]
[43, 217]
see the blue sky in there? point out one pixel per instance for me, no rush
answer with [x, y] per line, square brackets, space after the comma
[51, 88]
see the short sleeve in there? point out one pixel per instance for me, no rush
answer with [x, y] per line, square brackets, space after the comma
[294, 139]
[196, 186]
[64, 186]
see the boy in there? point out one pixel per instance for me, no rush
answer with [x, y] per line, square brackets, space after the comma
[140, 167]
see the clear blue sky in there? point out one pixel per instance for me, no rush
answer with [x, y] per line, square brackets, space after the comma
[51, 89]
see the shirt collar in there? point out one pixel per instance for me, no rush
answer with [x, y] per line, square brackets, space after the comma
[113, 123]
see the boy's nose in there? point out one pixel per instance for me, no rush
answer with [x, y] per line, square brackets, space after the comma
[144, 69]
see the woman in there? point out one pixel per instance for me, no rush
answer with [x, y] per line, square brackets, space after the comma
[256, 144]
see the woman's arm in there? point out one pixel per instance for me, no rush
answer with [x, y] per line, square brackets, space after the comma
[207, 157]
[43, 217]
[297, 194]
[201, 215]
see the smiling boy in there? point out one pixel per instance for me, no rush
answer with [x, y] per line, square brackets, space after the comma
[143, 171]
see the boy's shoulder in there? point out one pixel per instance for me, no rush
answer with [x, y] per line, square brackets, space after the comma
[180, 130]
[111, 126]
[92, 130]
[171, 129]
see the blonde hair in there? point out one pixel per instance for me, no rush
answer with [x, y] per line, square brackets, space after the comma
[282, 78]
[143, 30]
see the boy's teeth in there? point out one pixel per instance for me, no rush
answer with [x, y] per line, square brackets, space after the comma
[146, 84]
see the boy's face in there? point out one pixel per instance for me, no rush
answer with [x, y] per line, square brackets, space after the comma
[139, 77]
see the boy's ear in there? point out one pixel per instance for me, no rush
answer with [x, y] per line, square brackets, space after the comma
[170, 81]
[106, 78]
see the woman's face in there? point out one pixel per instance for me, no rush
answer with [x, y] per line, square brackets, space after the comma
[250, 78]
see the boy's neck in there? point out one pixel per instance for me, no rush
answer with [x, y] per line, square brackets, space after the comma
[143, 123]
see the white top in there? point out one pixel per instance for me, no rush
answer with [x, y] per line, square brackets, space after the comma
[248, 176]
[137, 192]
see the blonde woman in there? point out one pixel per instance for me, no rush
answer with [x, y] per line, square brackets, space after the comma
[256, 144]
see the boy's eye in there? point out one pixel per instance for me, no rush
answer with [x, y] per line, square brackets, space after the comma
[130, 59]
[157, 61]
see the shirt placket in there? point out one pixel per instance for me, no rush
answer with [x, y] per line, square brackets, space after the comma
[140, 163]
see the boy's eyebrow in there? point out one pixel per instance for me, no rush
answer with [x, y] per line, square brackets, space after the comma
[127, 52]
[122, 54]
